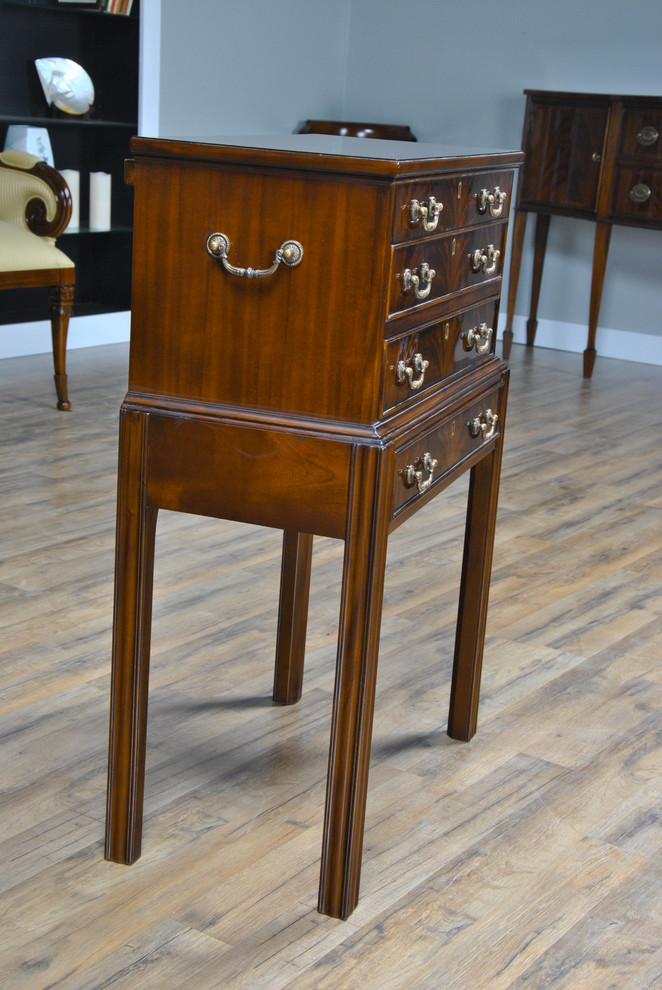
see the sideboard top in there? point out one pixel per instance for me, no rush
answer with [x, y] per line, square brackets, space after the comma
[326, 152]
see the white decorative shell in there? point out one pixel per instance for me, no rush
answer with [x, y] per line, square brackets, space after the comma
[66, 84]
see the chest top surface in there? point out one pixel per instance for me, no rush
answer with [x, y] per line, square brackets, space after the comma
[326, 152]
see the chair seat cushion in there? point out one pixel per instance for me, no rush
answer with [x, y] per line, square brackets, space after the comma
[21, 250]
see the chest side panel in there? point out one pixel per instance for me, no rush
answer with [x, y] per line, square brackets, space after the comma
[303, 340]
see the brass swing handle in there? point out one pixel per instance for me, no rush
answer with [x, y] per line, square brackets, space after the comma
[290, 253]
[428, 213]
[405, 372]
[487, 259]
[477, 338]
[483, 426]
[412, 476]
[494, 200]
[414, 279]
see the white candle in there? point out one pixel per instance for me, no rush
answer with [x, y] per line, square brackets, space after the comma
[72, 178]
[99, 201]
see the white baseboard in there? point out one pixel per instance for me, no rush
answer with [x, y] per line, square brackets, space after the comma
[625, 345]
[20, 339]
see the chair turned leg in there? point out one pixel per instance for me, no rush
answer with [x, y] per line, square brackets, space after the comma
[61, 299]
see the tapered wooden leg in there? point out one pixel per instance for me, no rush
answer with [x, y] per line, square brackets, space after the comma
[474, 591]
[292, 616]
[356, 671]
[61, 299]
[600, 253]
[517, 244]
[134, 566]
[539, 248]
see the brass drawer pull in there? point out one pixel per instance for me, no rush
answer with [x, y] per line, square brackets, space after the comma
[648, 135]
[412, 280]
[290, 253]
[640, 193]
[427, 214]
[494, 200]
[405, 372]
[477, 338]
[485, 260]
[412, 476]
[483, 426]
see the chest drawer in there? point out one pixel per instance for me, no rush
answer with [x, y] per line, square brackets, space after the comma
[641, 134]
[638, 196]
[446, 204]
[424, 463]
[428, 271]
[419, 361]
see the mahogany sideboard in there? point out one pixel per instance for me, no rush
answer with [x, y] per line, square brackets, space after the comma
[334, 389]
[592, 156]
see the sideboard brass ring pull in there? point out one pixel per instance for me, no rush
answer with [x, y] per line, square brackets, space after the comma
[290, 253]
[640, 193]
[648, 135]
[483, 426]
[412, 476]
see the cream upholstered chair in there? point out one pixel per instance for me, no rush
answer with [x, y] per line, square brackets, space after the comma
[35, 207]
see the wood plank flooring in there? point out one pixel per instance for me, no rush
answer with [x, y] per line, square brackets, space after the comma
[528, 858]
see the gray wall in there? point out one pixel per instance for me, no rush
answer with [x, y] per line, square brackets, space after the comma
[251, 66]
[453, 71]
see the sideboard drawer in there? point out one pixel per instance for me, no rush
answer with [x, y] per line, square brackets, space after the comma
[641, 134]
[425, 272]
[419, 361]
[463, 200]
[638, 196]
[444, 448]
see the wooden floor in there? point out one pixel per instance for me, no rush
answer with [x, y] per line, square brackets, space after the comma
[528, 858]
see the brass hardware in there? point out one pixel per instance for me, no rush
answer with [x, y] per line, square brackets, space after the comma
[290, 253]
[404, 373]
[648, 135]
[477, 338]
[459, 189]
[640, 193]
[483, 426]
[447, 331]
[412, 476]
[453, 246]
[411, 280]
[429, 215]
[487, 260]
[494, 200]
[596, 157]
